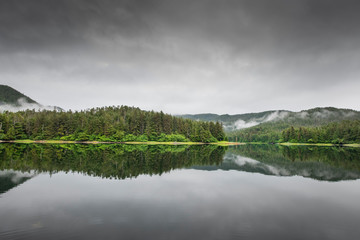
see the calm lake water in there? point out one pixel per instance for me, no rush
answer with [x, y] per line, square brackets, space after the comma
[178, 192]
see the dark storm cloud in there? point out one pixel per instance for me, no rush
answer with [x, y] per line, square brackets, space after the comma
[172, 53]
[39, 24]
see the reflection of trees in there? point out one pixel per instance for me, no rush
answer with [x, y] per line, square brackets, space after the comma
[108, 161]
[322, 163]
[348, 158]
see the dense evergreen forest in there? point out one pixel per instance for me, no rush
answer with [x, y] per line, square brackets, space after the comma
[347, 131]
[337, 133]
[116, 124]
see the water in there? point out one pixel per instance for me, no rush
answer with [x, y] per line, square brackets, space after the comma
[178, 192]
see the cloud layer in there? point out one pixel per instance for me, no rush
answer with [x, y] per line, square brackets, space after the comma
[183, 56]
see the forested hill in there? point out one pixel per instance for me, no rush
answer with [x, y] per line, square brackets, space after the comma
[233, 122]
[121, 124]
[8, 95]
[280, 119]
[318, 125]
[12, 100]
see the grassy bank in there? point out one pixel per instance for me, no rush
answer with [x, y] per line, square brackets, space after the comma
[320, 144]
[222, 143]
[294, 144]
[307, 144]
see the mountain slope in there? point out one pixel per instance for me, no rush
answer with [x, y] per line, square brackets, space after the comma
[318, 125]
[280, 119]
[13, 101]
[8, 95]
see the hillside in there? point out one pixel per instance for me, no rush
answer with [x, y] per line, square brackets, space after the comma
[280, 119]
[8, 95]
[233, 122]
[13, 101]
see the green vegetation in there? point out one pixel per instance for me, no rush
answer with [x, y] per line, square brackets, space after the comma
[347, 131]
[117, 161]
[336, 133]
[11, 96]
[266, 132]
[108, 124]
[226, 118]
[322, 163]
[125, 161]
[317, 125]
[280, 119]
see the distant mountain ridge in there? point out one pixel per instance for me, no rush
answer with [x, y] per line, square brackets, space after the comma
[13, 100]
[311, 117]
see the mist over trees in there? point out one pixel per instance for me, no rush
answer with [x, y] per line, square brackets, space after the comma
[317, 125]
[347, 131]
[9, 95]
[120, 123]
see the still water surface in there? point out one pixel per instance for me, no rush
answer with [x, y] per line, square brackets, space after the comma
[178, 192]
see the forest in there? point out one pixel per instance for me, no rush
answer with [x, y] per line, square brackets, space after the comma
[347, 131]
[336, 133]
[106, 124]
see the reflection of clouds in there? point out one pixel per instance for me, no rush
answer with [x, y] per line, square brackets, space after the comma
[184, 203]
[38, 224]
[243, 161]
[16, 176]
[315, 170]
[278, 171]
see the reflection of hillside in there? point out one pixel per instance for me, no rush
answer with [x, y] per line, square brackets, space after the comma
[321, 163]
[126, 161]
[10, 179]
[108, 161]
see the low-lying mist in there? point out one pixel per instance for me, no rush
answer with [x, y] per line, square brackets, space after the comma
[22, 105]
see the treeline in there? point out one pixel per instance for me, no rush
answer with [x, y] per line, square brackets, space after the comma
[347, 131]
[336, 133]
[120, 124]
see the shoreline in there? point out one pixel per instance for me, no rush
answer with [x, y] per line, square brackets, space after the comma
[223, 143]
[310, 144]
[321, 144]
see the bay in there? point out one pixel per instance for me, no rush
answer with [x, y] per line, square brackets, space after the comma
[177, 192]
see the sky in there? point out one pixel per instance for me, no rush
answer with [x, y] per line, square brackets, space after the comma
[203, 56]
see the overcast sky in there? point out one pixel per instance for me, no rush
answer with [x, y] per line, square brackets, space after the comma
[183, 56]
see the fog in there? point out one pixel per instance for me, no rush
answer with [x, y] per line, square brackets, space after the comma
[22, 105]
